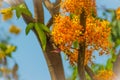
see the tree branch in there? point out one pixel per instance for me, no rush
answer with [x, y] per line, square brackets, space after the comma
[56, 7]
[81, 54]
[38, 10]
[90, 72]
[48, 5]
[53, 8]
[50, 22]
[116, 65]
[53, 60]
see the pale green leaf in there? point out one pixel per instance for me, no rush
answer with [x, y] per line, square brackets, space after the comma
[42, 36]
[21, 9]
[75, 44]
[29, 27]
[43, 27]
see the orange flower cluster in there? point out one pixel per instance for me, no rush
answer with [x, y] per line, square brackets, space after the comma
[76, 6]
[97, 33]
[105, 75]
[66, 30]
[96, 37]
[118, 13]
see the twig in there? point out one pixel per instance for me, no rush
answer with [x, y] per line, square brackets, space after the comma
[90, 72]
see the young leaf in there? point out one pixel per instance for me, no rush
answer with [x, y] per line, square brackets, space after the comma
[29, 27]
[109, 64]
[18, 12]
[21, 9]
[75, 44]
[42, 36]
[43, 27]
[24, 9]
[3, 46]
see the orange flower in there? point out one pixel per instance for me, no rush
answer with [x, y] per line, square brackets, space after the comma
[76, 6]
[67, 29]
[97, 33]
[118, 13]
[105, 75]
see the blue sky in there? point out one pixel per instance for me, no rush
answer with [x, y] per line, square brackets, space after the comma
[32, 65]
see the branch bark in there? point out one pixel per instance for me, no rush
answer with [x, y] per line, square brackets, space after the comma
[116, 65]
[53, 8]
[38, 10]
[50, 22]
[90, 72]
[48, 5]
[54, 63]
[53, 60]
[81, 54]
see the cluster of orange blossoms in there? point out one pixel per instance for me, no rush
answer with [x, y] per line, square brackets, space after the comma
[105, 75]
[118, 13]
[67, 30]
[76, 6]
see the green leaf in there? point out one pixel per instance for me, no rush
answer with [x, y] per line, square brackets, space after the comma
[25, 10]
[109, 64]
[117, 43]
[112, 12]
[18, 12]
[42, 36]
[114, 56]
[71, 16]
[44, 28]
[75, 44]
[114, 23]
[29, 27]
[21, 9]
[10, 49]
[97, 67]
[74, 74]
[3, 46]
[118, 26]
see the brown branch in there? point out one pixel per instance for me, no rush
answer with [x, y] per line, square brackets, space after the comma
[38, 10]
[28, 19]
[50, 22]
[81, 54]
[53, 60]
[57, 2]
[14, 72]
[90, 72]
[56, 7]
[116, 65]
[53, 8]
[48, 5]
